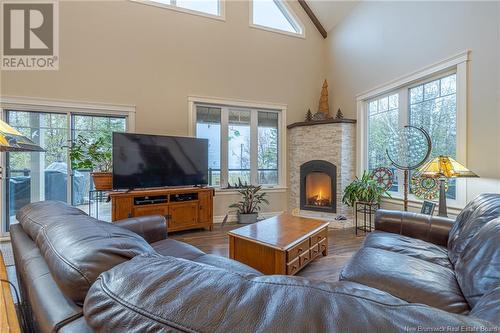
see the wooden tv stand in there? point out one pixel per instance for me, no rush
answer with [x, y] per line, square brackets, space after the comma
[184, 208]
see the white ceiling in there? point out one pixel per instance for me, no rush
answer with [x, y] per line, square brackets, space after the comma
[331, 12]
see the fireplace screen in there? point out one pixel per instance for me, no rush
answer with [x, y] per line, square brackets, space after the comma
[318, 186]
[318, 189]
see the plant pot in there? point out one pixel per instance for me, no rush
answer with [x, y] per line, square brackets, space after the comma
[103, 181]
[247, 218]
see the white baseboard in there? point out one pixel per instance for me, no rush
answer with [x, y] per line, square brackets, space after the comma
[234, 218]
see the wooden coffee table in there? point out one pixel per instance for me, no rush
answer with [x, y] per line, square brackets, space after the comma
[280, 245]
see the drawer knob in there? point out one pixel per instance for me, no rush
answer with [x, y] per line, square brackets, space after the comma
[300, 250]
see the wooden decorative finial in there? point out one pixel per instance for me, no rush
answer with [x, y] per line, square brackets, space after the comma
[323, 101]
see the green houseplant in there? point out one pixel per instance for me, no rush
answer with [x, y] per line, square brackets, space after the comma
[95, 156]
[250, 204]
[364, 189]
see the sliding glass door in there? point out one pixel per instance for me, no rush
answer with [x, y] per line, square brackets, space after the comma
[92, 127]
[31, 177]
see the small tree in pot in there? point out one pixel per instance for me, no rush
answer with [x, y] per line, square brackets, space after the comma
[365, 189]
[250, 204]
[95, 156]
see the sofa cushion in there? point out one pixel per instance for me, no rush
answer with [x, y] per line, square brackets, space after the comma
[412, 279]
[473, 217]
[488, 306]
[164, 294]
[33, 217]
[478, 268]
[38, 288]
[412, 247]
[78, 251]
[174, 248]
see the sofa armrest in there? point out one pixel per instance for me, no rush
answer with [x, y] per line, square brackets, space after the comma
[152, 228]
[433, 229]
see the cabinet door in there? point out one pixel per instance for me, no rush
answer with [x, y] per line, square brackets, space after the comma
[122, 208]
[205, 199]
[183, 214]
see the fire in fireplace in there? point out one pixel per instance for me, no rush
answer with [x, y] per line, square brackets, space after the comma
[318, 186]
[318, 189]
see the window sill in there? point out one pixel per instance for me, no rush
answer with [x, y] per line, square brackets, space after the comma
[453, 209]
[232, 191]
[220, 17]
[277, 31]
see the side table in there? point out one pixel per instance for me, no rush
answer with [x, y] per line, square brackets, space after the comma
[367, 210]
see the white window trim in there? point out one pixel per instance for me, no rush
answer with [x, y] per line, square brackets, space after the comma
[58, 106]
[224, 103]
[289, 10]
[220, 17]
[458, 63]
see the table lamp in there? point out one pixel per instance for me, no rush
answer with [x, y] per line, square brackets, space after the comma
[443, 167]
[12, 140]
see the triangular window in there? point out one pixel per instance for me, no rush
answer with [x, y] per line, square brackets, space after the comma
[275, 15]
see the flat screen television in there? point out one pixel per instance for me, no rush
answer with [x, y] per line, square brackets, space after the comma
[145, 161]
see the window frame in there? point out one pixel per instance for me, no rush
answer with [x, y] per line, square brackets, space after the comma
[289, 14]
[220, 17]
[457, 64]
[255, 107]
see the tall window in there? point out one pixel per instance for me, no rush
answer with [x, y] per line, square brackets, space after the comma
[243, 144]
[431, 104]
[210, 7]
[275, 15]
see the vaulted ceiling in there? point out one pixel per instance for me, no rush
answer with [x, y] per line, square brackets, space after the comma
[331, 12]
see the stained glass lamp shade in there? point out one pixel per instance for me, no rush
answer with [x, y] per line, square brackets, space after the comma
[443, 167]
[13, 140]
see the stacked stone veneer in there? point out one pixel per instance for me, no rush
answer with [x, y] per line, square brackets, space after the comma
[332, 142]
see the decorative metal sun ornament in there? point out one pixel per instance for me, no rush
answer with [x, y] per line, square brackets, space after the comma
[409, 149]
[383, 176]
[426, 188]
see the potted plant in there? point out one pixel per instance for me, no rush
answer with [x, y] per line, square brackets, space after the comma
[250, 204]
[365, 190]
[95, 156]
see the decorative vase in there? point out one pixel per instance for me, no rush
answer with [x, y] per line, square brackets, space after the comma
[247, 218]
[103, 181]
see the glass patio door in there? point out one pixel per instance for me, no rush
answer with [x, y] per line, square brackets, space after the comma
[32, 177]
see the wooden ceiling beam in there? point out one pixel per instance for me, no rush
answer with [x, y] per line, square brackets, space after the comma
[313, 18]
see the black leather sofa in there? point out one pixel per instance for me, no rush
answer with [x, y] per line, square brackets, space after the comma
[415, 273]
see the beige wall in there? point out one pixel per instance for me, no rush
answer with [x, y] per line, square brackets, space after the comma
[381, 41]
[123, 52]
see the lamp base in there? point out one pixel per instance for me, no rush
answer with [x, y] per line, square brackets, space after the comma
[443, 211]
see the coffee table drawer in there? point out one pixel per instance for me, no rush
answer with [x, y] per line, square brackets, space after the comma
[305, 258]
[297, 250]
[315, 251]
[293, 266]
[317, 237]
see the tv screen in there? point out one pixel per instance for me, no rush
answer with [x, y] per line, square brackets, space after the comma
[143, 161]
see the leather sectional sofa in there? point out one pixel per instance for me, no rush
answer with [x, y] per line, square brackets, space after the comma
[414, 273]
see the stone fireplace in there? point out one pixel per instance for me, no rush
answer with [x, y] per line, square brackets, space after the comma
[318, 185]
[321, 163]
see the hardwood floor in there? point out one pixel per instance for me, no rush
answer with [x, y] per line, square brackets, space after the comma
[342, 244]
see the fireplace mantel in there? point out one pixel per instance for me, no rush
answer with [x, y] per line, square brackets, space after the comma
[321, 122]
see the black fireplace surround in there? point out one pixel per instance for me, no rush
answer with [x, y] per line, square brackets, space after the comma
[322, 167]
